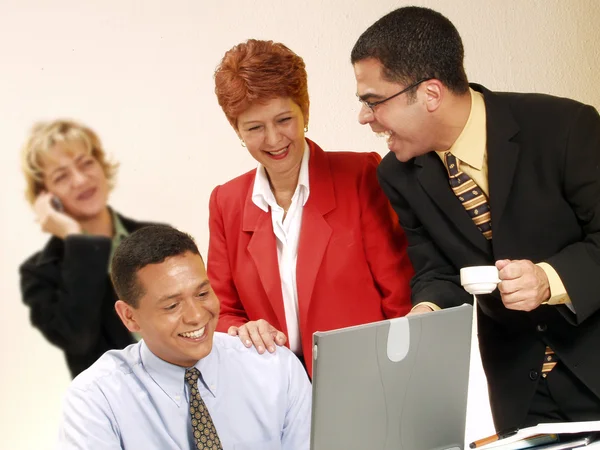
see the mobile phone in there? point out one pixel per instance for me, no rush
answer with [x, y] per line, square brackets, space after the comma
[57, 204]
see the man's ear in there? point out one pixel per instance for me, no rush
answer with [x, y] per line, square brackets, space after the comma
[434, 94]
[126, 313]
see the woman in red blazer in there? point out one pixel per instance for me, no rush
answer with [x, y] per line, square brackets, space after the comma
[307, 241]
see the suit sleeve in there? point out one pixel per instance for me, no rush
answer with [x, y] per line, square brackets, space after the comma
[435, 280]
[384, 243]
[578, 264]
[65, 305]
[219, 270]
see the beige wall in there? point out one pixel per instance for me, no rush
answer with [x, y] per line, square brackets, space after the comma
[140, 73]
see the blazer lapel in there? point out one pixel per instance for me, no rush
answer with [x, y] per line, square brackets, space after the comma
[433, 177]
[315, 232]
[53, 251]
[262, 248]
[503, 154]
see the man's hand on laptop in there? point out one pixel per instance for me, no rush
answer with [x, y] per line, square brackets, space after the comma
[421, 308]
[259, 333]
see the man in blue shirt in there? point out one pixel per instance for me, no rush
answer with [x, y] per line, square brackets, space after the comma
[183, 386]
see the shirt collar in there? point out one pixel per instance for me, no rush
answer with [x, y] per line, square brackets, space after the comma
[171, 378]
[262, 195]
[120, 232]
[209, 368]
[470, 147]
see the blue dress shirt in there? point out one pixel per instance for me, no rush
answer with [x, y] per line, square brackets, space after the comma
[131, 399]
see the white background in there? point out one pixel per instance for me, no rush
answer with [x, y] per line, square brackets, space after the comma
[141, 74]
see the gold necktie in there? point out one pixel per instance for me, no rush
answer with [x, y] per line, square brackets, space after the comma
[475, 202]
[205, 434]
[550, 361]
[470, 195]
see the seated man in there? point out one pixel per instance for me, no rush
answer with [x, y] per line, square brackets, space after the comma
[183, 385]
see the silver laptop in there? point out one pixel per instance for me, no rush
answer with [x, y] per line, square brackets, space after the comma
[399, 384]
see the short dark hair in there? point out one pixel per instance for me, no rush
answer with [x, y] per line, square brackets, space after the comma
[413, 43]
[149, 245]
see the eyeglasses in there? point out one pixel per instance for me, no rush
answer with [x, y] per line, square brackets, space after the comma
[372, 105]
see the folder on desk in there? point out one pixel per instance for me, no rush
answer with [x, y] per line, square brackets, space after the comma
[571, 435]
[569, 443]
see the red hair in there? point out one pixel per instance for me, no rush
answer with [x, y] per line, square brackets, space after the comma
[256, 71]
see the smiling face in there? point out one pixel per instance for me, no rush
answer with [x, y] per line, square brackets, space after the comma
[273, 132]
[178, 311]
[404, 120]
[73, 175]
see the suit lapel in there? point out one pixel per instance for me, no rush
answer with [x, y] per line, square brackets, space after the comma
[262, 248]
[315, 232]
[132, 225]
[53, 250]
[433, 177]
[503, 154]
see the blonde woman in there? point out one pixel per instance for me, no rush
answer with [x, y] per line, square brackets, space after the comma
[66, 284]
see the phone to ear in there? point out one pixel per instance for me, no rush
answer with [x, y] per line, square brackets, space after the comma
[57, 204]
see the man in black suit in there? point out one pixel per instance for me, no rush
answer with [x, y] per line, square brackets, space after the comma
[482, 178]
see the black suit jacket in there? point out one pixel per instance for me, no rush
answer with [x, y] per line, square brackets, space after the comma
[71, 298]
[544, 184]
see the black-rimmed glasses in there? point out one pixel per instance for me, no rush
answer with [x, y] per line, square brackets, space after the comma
[372, 105]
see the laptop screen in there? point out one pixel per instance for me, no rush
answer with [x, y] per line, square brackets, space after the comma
[397, 384]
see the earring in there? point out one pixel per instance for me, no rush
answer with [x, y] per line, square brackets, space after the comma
[242, 143]
[306, 128]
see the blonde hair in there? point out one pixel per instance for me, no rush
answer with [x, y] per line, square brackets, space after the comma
[44, 136]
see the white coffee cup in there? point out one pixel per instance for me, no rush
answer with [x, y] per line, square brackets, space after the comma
[478, 280]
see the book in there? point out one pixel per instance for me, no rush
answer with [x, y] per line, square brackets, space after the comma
[562, 428]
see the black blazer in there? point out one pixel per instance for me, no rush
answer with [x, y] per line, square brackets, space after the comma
[69, 292]
[544, 181]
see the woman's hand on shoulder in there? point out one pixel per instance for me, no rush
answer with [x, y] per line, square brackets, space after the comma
[51, 220]
[259, 333]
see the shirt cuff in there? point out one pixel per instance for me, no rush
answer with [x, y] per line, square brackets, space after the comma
[558, 293]
[433, 306]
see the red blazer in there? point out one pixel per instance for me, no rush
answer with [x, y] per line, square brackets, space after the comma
[352, 266]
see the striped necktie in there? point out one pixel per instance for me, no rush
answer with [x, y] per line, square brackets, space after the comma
[470, 195]
[475, 202]
[550, 360]
[205, 434]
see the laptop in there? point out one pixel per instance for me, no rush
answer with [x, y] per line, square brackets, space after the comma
[398, 384]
